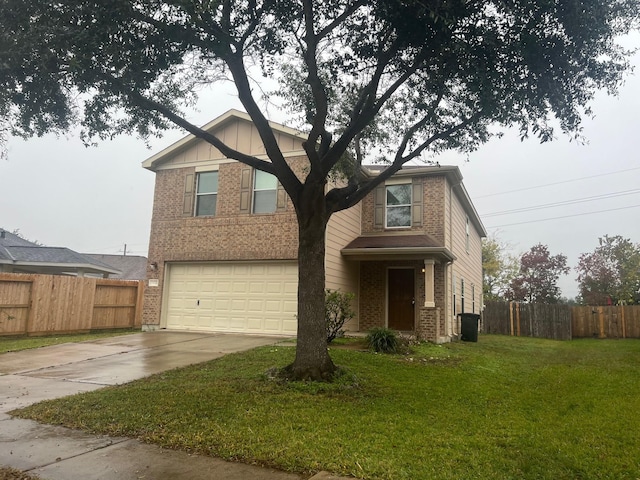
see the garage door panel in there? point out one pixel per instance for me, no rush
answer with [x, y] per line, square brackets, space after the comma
[233, 297]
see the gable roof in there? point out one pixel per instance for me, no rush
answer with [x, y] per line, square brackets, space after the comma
[452, 172]
[27, 256]
[218, 123]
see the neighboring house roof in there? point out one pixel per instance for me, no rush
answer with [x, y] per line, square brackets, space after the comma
[29, 257]
[409, 245]
[133, 267]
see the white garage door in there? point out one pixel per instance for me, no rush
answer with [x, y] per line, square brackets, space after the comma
[232, 297]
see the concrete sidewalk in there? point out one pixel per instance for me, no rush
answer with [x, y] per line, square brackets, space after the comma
[57, 453]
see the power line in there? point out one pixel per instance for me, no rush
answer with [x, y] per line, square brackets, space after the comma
[563, 203]
[564, 216]
[556, 183]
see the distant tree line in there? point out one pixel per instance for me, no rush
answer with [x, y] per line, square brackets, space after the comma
[610, 275]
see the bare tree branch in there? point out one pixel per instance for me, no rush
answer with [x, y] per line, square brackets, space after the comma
[286, 176]
[318, 130]
[229, 152]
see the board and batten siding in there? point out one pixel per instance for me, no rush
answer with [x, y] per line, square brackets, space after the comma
[343, 227]
[238, 134]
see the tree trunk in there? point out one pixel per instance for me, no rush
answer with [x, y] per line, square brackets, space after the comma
[312, 360]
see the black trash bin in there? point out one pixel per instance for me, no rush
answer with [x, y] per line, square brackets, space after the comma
[469, 326]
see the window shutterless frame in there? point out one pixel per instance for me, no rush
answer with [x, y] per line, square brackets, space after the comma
[206, 194]
[265, 192]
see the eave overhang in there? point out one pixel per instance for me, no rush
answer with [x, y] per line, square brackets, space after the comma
[398, 253]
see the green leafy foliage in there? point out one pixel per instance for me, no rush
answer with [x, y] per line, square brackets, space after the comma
[337, 311]
[498, 269]
[537, 278]
[383, 340]
[611, 273]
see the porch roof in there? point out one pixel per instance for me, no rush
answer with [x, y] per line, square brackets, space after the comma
[396, 247]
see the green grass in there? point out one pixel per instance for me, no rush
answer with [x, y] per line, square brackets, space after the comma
[502, 408]
[14, 344]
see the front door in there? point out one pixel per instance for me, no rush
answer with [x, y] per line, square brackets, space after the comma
[401, 298]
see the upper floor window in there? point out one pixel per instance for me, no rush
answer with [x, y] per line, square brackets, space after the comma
[467, 232]
[398, 205]
[265, 187]
[206, 193]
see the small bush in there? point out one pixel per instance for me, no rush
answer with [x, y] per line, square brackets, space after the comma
[383, 340]
[337, 311]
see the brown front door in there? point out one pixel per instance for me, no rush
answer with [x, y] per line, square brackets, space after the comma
[401, 299]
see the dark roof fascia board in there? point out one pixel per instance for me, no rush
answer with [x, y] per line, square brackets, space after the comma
[396, 252]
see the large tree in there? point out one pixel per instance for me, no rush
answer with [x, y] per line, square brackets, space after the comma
[499, 268]
[537, 279]
[611, 273]
[392, 79]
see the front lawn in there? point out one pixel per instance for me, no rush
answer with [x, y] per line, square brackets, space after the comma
[502, 408]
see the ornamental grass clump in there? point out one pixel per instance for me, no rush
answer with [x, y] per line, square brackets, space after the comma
[383, 340]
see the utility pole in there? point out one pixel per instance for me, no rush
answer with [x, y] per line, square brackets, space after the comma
[125, 249]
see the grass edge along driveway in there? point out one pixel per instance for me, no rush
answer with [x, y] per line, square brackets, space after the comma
[21, 342]
[504, 407]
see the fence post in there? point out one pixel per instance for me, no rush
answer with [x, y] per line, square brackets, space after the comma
[511, 317]
[601, 322]
[139, 301]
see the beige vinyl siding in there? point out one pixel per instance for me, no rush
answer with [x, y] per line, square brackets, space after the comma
[341, 275]
[468, 264]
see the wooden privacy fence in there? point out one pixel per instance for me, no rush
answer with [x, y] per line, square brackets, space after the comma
[48, 304]
[606, 322]
[561, 322]
[527, 320]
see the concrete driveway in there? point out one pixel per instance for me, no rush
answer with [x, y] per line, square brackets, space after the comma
[30, 376]
[57, 453]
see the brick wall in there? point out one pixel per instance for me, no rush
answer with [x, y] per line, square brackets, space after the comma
[430, 322]
[229, 235]
[433, 210]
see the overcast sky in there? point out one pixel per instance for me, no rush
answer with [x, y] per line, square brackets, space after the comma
[96, 200]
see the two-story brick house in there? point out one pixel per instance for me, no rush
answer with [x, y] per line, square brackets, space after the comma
[223, 246]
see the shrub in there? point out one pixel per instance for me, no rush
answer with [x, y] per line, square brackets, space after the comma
[337, 311]
[383, 340]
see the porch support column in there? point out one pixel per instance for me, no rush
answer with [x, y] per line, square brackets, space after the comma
[429, 284]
